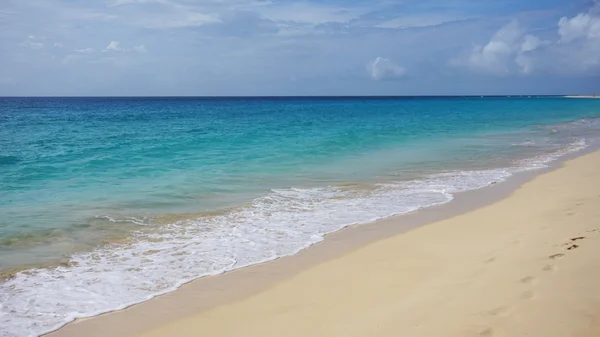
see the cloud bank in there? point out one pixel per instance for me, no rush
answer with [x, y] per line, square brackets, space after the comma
[574, 50]
[298, 47]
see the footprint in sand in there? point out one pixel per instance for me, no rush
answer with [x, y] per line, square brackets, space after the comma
[571, 245]
[527, 295]
[498, 311]
[488, 332]
[527, 280]
[556, 256]
[490, 260]
[549, 268]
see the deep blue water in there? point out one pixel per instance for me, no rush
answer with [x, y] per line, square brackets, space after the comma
[94, 182]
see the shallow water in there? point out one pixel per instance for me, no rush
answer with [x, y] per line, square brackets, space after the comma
[117, 200]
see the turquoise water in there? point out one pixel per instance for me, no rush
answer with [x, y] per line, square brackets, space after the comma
[129, 197]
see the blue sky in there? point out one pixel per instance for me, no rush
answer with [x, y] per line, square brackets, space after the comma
[272, 47]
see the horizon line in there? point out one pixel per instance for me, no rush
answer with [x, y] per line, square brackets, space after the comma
[298, 96]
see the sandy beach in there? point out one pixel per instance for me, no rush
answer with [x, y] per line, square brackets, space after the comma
[527, 264]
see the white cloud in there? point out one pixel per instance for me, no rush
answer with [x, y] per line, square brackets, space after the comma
[577, 49]
[113, 46]
[178, 19]
[584, 25]
[58, 45]
[168, 14]
[414, 21]
[384, 69]
[311, 13]
[84, 51]
[32, 45]
[70, 58]
[526, 63]
[495, 56]
[524, 56]
[32, 42]
[530, 43]
[140, 49]
[509, 50]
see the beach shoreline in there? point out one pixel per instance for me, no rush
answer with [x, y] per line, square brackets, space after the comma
[258, 191]
[582, 96]
[232, 287]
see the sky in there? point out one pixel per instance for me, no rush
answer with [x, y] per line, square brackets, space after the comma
[290, 47]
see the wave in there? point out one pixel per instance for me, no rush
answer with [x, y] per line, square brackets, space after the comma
[9, 160]
[281, 223]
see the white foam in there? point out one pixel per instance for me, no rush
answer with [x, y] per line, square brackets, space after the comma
[281, 223]
[542, 161]
[128, 219]
[526, 143]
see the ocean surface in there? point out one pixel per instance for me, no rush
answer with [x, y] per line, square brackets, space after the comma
[107, 202]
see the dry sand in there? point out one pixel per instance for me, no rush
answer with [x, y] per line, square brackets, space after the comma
[527, 265]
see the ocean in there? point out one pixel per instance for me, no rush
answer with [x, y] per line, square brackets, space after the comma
[107, 202]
